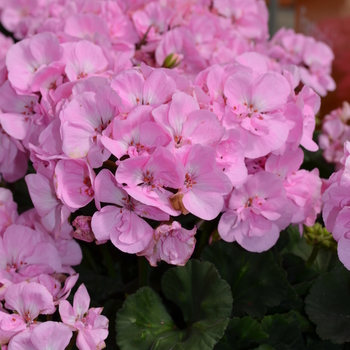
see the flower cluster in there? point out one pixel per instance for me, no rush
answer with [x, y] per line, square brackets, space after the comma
[335, 131]
[313, 58]
[153, 110]
[36, 276]
[336, 207]
[144, 112]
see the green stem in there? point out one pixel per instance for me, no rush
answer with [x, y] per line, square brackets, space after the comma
[109, 261]
[312, 257]
[72, 341]
[88, 256]
[143, 271]
[144, 38]
[206, 230]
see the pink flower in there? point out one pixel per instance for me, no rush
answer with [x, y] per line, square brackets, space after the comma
[29, 300]
[5, 44]
[92, 327]
[203, 184]
[180, 41]
[83, 229]
[147, 177]
[24, 254]
[73, 181]
[229, 158]
[83, 59]
[135, 90]
[187, 124]
[29, 56]
[254, 106]
[341, 234]
[13, 159]
[88, 26]
[171, 243]
[121, 223]
[53, 284]
[45, 336]
[257, 212]
[54, 215]
[137, 135]
[303, 188]
[83, 120]
[154, 20]
[335, 131]
[309, 103]
[20, 112]
[8, 210]
[318, 58]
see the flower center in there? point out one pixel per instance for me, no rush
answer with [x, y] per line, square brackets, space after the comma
[189, 181]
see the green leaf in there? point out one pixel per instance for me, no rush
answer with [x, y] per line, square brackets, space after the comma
[110, 309]
[284, 332]
[328, 305]
[241, 333]
[144, 322]
[304, 323]
[21, 195]
[101, 288]
[314, 160]
[256, 280]
[298, 246]
[265, 347]
[198, 286]
[318, 344]
[296, 269]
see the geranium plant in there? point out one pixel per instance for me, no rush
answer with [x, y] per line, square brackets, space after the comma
[138, 135]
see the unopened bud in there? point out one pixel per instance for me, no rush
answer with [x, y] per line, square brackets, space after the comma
[319, 236]
[172, 60]
[83, 230]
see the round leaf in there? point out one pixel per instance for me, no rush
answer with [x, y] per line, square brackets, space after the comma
[284, 332]
[328, 305]
[198, 286]
[143, 320]
[144, 323]
[256, 280]
[204, 299]
[241, 333]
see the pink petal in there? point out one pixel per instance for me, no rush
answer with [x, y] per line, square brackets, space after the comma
[259, 243]
[107, 189]
[81, 302]
[344, 251]
[22, 342]
[205, 205]
[51, 335]
[42, 193]
[270, 92]
[238, 88]
[104, 221]
[29, 299]
[67, 313]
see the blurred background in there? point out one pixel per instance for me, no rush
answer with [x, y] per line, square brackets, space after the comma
[326, 20]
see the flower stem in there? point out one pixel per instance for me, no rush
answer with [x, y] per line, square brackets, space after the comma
[109, 261]
[88, 256]
[312, 257]
[143, 271]
[206, 230]
[72, 341]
